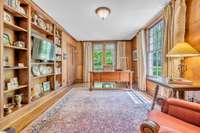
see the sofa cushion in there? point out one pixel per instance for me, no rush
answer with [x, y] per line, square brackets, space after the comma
[168, 123]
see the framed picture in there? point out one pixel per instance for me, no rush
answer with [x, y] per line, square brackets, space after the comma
[46, 86]
[134, 55]
[15, 82]
[37, 90]
[6, 39]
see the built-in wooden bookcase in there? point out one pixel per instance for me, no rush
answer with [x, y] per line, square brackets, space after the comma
[14, 59]
[59, 58]
[16, 78]
[43, 33]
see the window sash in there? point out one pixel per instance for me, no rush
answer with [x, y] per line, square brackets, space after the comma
[155, 46]
[105, 47]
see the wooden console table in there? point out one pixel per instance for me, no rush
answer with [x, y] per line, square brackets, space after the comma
[111, 76]
[175, 88]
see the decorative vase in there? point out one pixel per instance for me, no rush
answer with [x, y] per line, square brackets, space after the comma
[18, 100]
[7, 110]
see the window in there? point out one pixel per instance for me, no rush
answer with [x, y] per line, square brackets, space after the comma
[104, 56]
[155, 49]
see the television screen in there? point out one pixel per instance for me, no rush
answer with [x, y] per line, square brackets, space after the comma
[42, 49]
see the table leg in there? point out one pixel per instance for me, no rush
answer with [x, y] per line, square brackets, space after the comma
[131, 84]
[155, 97]
[91, 85]
[181, 94]
[174, 93]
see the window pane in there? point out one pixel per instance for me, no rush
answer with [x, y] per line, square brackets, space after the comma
[98, 57]
[150, 65]
[110, 56]
[104, 56]
[155, 45]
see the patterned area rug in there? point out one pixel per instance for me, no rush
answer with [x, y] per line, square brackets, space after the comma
[82, 111]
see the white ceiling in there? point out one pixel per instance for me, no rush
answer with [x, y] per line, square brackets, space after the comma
[79, 19]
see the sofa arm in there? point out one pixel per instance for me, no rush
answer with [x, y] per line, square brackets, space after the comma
[149, 126]
[183, 110]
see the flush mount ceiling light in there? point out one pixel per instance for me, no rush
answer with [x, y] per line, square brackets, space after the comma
[103, 12]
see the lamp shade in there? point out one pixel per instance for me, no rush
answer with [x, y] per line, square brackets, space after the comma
[183, 50]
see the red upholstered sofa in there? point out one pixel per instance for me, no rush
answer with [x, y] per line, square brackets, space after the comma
[176, 116]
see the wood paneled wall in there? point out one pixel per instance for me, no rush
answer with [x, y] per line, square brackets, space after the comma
[193, 37]
[72, 73]
[79, 63]
[129, 54]
[134, 63]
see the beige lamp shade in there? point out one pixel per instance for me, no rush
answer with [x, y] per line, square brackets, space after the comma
[183, 50]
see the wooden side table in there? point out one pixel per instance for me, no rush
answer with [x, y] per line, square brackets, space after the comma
[176, 88]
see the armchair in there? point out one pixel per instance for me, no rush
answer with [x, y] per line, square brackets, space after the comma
[176, 116]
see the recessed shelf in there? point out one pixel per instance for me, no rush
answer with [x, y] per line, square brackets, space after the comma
[14, 12]
[14, 27]
[16, 109]
[42, 76]
[17, 88]
[14, 68]
[42, 63]
[37, 28]
[44, 94]
[14, 47]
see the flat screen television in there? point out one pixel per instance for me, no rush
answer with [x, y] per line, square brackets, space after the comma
[42, 49]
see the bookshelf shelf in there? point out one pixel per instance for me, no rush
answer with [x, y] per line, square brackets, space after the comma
[14, 47]
[37, 28]
[14, 12]
[42, 76]
[42, 63]
[14, 68]
[17, 88]
[14, 27]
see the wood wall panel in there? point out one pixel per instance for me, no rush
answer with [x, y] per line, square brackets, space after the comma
[68, 69]
[193, 37]
[79, 63]
[64, 64]
[134, 63]
[193, 23]
[129, 54]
